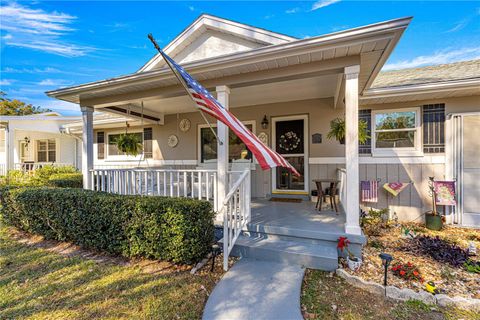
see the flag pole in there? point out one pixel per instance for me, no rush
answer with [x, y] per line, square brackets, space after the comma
[182, 82]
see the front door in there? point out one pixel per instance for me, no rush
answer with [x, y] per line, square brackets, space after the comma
[290, 139]
[467, 168]
[24, 151]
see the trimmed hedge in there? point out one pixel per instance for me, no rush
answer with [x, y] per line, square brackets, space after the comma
[38, 177]
[176, 229]
[66, 180]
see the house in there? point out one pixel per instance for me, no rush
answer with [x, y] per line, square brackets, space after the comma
[286, 91]
[29, 142]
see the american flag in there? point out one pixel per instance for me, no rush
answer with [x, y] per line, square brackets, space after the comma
[369, 191]
[266, 157]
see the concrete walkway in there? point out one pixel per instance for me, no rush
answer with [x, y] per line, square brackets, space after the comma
[257, 290]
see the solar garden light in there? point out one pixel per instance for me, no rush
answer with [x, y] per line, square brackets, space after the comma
[386, 259]
[215, 252]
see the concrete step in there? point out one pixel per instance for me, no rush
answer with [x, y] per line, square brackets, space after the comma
[308, 255]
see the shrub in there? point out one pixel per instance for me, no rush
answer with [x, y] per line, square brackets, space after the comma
[66, 180]
[438, 249]
[37, 177]
[374, 222]
[176, 229]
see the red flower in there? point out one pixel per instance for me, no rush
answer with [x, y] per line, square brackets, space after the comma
[409, 264]
[395, 268]
[343, 242]
[402, 273]
[415, 273]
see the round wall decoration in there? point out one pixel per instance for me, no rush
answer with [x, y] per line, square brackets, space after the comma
[262, 136]
[172, 141]
[289, 141]
[184, 125]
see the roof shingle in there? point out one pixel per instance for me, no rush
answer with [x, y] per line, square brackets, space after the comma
[440, 73]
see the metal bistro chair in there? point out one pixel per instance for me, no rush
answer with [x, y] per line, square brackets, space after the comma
[330, 192]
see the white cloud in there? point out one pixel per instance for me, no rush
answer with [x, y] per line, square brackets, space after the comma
[54, 82]
[293, 10]
[57, 105]
[39, 30]
[6, 82]
[191, 8]
[459, 26]
[439, 57]
[48, 70]
[323, 3]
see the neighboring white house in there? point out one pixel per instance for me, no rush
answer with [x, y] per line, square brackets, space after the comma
[28, 142]
[278, 84]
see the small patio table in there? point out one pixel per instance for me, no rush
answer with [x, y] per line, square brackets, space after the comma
[331, 194]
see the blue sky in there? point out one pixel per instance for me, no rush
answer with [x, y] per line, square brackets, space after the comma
[50, 44]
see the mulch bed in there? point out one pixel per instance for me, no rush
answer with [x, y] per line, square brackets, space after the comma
[453, 281]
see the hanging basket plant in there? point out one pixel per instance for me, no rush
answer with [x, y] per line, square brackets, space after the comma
[130, 144]
[337, 131]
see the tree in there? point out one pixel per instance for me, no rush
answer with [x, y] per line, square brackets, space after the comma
[16, 107]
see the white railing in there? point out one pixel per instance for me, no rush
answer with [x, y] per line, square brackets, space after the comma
[190, 183]
[3, 169]
[342, 189]
[30, 166]
[236, 213]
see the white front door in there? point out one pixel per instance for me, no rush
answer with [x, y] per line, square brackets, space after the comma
[467, 167]
[25, 151]
[290, 139]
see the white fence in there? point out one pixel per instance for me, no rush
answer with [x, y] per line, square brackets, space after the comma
[30, 166]
[342, 189]
[3, 169]
[236, 213]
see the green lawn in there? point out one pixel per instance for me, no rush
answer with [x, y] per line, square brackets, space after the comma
[36, 283]
[329, 297]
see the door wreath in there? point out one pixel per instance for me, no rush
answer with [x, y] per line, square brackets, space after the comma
[289, 141]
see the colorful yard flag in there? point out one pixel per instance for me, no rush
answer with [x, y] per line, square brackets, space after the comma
[369, 191]
[266, 157]
[395, 187]
[444, 193]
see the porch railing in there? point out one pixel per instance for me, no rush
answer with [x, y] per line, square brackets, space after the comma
[236, 213]
[3, 169]
[198, 184]
[342, 190]
[30, 166]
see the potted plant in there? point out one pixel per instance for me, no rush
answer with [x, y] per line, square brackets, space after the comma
[130, 144]
[337, 131]
[353, 262]
[433, 220]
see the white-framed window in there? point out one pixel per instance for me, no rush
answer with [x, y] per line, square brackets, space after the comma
[112, 149]
[396, 132]
[207, 144]
[46, 150]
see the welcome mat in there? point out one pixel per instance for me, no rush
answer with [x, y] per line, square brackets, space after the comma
[286, 200]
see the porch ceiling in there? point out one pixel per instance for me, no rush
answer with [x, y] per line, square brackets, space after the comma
[256, 94]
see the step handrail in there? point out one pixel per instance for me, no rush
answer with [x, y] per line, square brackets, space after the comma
[236, 213]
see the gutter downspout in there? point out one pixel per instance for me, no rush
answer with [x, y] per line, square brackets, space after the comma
[66, 131]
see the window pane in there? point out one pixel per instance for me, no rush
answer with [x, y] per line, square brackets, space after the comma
[402, 139]
[112, 143]
[51, 156]
[208, 148]
[42, 146]
[42, 156]
[395, 120]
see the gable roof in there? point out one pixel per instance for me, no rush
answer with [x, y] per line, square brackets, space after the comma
[463, 70]
[205, 24]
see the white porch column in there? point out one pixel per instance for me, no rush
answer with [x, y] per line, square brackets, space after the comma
[223, 93]
[352, 207]
[87, 146]
[9, 147]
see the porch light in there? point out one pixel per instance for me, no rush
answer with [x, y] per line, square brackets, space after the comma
[27, 141]
[265, 122]
[386, 259]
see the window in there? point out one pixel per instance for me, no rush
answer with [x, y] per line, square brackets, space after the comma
[147, 143]
[366, 115]
[101, 145]
[208, 144]
[112, 149]
[434, 128]
[46, 150]
[396, 132]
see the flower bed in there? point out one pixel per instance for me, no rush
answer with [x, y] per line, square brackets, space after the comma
[430, 258]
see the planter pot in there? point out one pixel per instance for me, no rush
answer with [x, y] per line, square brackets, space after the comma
[433, 222]
[342, 141]
[354, 264]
